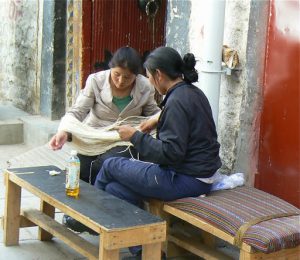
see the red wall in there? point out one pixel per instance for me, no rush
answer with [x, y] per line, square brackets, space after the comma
[110, 24]
[279, 151]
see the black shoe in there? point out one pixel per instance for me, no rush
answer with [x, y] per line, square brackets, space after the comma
[138, 256]
[76, 226]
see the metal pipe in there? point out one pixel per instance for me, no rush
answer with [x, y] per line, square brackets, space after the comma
[211, 62]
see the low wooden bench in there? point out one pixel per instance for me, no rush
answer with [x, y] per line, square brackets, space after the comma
[261, 225]
[118, 223]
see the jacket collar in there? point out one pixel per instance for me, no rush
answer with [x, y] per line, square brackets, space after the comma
[107, 97]
[106, 94]
[163, 103]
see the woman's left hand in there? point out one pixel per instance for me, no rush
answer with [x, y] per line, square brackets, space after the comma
[126, 132]
[148, 125]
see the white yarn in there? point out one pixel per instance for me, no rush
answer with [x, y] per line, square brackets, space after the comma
[92, 141]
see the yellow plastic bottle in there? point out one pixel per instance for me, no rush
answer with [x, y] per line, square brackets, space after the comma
[72, 175]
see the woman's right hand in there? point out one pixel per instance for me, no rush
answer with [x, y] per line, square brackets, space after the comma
[58, 140]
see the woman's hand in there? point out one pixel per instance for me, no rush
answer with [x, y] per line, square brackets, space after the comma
[58, 140]
[148, 125]
[125, 132]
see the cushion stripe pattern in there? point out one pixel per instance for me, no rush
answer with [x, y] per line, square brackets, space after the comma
[228, 210]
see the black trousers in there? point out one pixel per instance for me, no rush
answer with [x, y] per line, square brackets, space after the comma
[91, 165]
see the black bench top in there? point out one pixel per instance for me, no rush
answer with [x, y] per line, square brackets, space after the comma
[101, 207]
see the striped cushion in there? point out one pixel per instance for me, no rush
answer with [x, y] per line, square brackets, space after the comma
[228, 210]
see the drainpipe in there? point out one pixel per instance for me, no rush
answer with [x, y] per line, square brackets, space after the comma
[211, 62]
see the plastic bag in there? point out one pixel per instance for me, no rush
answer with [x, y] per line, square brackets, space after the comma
[225, 182]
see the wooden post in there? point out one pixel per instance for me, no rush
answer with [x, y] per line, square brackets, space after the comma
[11, 212]
[107, 254]
[156, 207]
[151, 251]
[50, 211]
[209, 239]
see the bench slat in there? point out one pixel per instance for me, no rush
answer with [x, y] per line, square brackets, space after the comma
[155, 233]
[197, 247]
[284, 254]
[50, 225]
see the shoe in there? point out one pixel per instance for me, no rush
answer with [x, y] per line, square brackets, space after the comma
[138, 256]
[76, 226]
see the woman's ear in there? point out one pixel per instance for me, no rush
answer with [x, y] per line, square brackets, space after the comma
[159, 74]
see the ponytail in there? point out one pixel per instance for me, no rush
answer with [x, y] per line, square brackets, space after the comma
[190, 74]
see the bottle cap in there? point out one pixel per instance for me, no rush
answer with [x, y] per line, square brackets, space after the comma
[73, 152]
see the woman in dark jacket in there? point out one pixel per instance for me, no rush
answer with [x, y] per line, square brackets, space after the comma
[183, 158]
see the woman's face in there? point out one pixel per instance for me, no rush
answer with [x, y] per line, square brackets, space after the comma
[122, 78]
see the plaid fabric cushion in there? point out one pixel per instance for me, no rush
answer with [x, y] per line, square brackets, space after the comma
[228, 210]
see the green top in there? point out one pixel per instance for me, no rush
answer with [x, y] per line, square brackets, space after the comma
[121, 103]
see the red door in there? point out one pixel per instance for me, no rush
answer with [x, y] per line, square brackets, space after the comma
[110, 24]
[279, 152]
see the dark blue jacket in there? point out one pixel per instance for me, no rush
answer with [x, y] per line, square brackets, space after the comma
[186, 134]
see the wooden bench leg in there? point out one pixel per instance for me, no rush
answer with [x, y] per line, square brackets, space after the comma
[12, 213]
[50, 211]
[151, 251]
[113, 254]
[244, 255]
[109, 254]
[209, 239]
[175, 251]
[171, 249]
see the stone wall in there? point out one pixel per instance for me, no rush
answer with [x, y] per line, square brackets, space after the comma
[245, 31]
[19, 52]
[232, 90]
[177, 24]
[247, 141]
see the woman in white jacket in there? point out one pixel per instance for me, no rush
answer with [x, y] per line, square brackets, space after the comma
[109, 96]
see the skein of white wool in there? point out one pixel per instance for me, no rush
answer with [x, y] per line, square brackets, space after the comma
[92, 141]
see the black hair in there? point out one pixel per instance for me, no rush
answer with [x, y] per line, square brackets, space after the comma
[127, 58]
[169, 61]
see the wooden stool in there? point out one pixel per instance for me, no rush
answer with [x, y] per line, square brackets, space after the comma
[261, 225]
